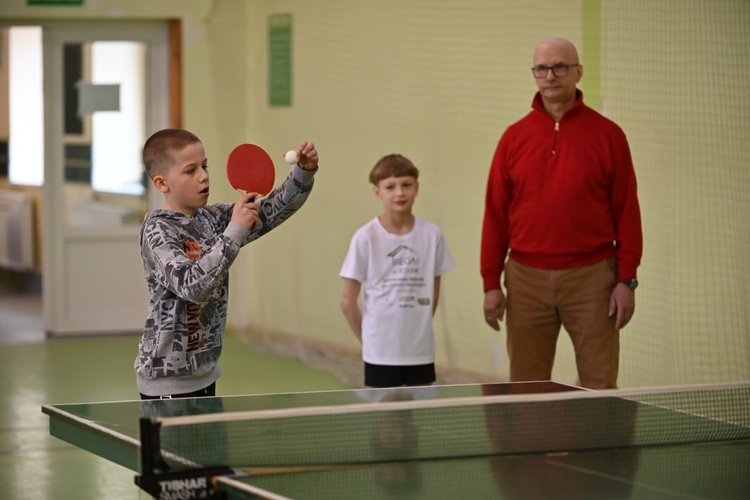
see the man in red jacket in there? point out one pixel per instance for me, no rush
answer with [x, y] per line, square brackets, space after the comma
[562, 206]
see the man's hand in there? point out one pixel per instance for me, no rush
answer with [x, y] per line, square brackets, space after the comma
[622, 304]
[494, 308]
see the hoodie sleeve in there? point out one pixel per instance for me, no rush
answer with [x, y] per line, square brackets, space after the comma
[188, 266]
[283, 201]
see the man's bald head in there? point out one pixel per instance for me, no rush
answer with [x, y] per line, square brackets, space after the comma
[562, 46]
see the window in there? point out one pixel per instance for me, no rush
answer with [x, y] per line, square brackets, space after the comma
[26, 106]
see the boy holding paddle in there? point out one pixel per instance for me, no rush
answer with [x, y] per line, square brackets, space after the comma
[187, 249]
[396, 260]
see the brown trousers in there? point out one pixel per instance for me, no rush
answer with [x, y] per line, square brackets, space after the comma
[540, 301]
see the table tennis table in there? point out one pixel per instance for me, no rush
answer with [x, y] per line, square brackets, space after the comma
[499, 440]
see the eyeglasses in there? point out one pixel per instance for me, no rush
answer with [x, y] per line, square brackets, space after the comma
[559, 69]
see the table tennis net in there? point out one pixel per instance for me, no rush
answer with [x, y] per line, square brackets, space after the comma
[400, 428]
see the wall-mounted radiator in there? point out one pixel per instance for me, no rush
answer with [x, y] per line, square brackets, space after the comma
[16, 231]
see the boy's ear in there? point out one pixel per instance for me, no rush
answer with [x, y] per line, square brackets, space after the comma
[160, 183]
[375, 191]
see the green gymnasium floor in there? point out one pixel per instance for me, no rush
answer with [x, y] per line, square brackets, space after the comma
[35, 371]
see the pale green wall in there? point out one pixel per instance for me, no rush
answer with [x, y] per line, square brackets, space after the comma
[675, 77]
[435, 81]
[439, 81]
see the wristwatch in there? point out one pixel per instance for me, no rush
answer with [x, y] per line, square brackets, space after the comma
[632, 283]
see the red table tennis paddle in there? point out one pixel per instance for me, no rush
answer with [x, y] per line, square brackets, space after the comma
[250, 169]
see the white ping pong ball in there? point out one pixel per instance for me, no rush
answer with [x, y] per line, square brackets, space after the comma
[291, 157]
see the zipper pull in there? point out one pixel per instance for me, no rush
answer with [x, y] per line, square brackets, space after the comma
[554, 138]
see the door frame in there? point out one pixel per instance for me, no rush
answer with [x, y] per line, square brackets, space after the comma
[62, 300]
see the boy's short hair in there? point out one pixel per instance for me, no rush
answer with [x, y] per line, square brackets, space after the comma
[393, 165]
[159, 148]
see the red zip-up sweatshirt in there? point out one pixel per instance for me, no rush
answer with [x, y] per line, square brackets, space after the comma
[561, 195]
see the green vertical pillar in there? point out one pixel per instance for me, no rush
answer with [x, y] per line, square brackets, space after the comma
[280, 60]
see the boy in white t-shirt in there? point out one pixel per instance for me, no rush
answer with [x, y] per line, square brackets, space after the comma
[396, 260]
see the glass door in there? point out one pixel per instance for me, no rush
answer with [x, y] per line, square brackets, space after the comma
[105, 91]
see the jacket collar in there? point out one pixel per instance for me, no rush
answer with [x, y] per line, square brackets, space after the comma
[538, 105]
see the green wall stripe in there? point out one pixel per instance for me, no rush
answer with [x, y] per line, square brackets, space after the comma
[591, 82]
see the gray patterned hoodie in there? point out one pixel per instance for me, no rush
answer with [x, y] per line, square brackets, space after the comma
[186, 262]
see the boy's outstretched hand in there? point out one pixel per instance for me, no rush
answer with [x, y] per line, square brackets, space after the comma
[245, 211]
[308, 156]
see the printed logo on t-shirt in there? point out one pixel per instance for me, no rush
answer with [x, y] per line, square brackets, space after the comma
[404, 277]
[404, 260]
[192, 249]
[399, 249]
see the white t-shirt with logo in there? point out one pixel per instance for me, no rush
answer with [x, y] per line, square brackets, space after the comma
[397, 273]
